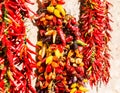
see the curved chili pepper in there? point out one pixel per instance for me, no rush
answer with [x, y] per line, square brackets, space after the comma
[62, 36]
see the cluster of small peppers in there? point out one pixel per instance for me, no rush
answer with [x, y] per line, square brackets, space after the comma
[16, 62]
[95, 28]
[60, 66]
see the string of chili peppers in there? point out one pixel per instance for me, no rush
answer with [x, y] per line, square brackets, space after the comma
[95, 29]
[60, 66]
[16, 62]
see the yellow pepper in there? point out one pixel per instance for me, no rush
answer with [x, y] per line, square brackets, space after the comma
[39, 43]
[57, 13]
[50, 9]
[49, 32]
[70, 53]
[83, 89]
[73, 90]
[85, 80]
[74, 85]
[61, 9]
[9, 73]
[49, 60]
[81, 64]
[78, 54]
[57, 53]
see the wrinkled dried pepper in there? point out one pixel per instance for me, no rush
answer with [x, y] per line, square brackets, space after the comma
[16, 62]
[95, 27]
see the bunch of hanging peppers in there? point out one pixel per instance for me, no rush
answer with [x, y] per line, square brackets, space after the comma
[72, 53]
[95, 30]
[16, 62]
[69, 53]
[60, 66]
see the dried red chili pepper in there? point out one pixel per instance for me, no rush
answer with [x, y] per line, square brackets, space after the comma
[95, 29]
[62, 36]
[13, 49]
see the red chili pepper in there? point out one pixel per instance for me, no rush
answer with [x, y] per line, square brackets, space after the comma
[56, 89]
[10, 57]
[80, 70]
[60, 47]
[59, 77]
[73, 21]
[31, 51]
[59, 22]
[69, 39]
[31, 88]
[3, 73]
[58, 70]
[48, 69]
[60, 1]
[62, 35]
[54, 20]
[2, 88]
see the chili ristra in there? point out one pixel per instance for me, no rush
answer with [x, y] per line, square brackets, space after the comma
[60, 67]
[16, 62]
[95, 28]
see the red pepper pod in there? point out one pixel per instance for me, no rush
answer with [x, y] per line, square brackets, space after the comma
[60, 48]
[54, 20]
[29, 42]
[73, 21]
[31, 89]
[59, 22]
[3, 73]
[10, 57]
[1, 60]
[60, 1]
[59, 77]
[48, 68]
[62, 35]
[0, 11]
[2, 88]
[58, 70]
[31, 51]
[56, 89]
[69, 39]
[80, 70]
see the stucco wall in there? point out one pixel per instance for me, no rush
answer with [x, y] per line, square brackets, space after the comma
[72, 7]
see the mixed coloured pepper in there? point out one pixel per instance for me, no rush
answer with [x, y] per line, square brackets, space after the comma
[69, 53]
[60, 66]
